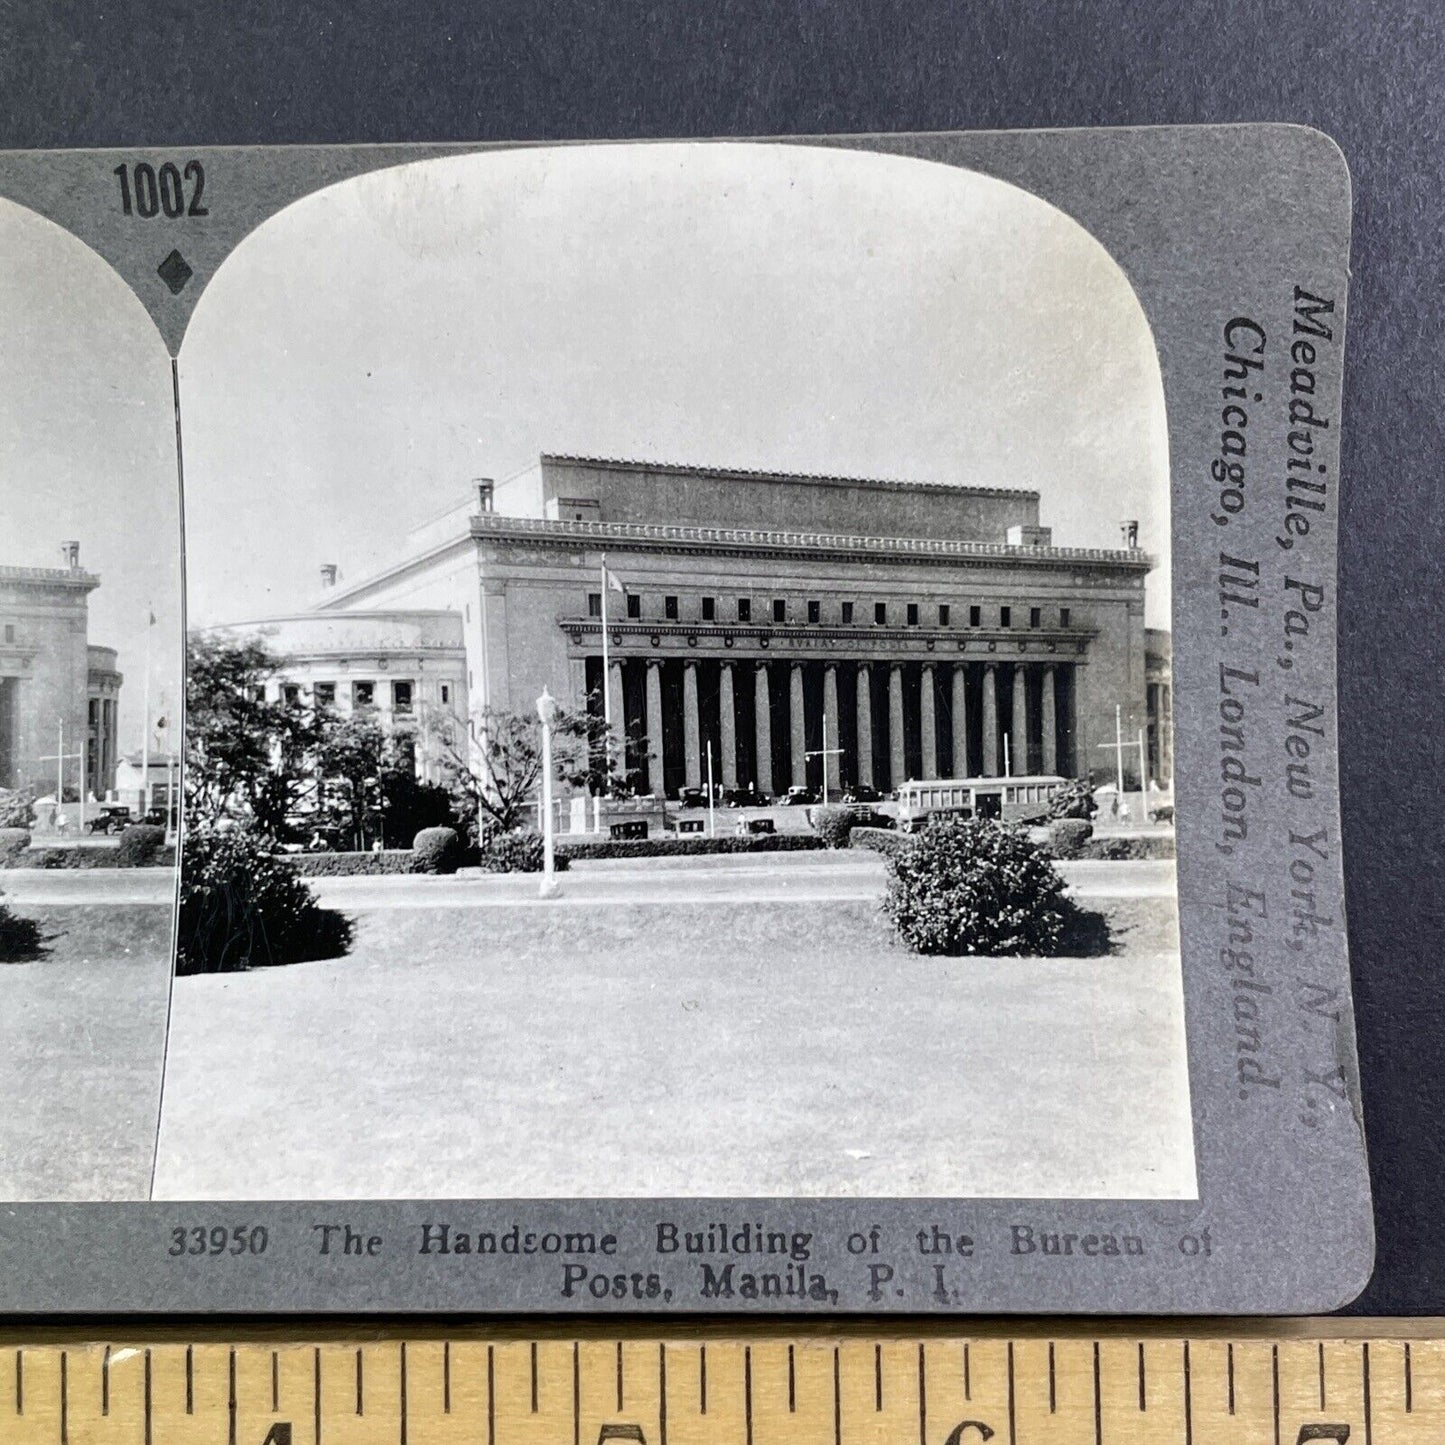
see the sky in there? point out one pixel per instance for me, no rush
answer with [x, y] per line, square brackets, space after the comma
[87, 451]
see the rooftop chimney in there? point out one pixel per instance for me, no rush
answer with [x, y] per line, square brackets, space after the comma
[70, 551]
[1130, 530]
[328, 574]
[485, 487]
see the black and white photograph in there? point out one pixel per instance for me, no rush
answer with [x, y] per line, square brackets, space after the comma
[679, 693]
[91, 692]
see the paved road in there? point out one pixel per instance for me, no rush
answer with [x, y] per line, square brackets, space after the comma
[779, 878]
[88, 885]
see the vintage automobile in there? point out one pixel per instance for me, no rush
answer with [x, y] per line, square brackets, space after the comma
[797, 797]
[862, 793]
[111, 818]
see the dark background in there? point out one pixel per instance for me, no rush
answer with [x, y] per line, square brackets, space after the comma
[1370, 74]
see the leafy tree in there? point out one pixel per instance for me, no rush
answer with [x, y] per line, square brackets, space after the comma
[246, 757]
[350, 754]
[494, 765]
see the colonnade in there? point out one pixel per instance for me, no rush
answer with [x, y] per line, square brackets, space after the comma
[775, 723]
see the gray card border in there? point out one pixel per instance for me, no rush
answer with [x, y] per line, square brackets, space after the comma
[1210, 223]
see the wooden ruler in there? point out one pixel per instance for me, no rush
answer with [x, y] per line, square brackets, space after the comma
[1280, 1383]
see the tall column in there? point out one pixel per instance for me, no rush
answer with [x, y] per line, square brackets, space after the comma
[577, 682]
[990, 720]
[692, 734]
[728, 724]
[763, 729]
[1019, 723]
[1049, 720]
[830, 725]
[960, 721]
[614, 702]
[655, 780]
[865, 725]
[929, 727]
[897, 762]
[795, 718]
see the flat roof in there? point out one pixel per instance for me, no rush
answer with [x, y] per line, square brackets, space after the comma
[747, 474]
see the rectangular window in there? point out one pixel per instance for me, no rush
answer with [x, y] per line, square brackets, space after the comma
[1036, 617]
[1005, 617]
[325, 694]
[709, 609]
[669, 608]
[446, 692]
[594, 604]
[913, 614]
[745, 609]
[847, 612]
[1063, 616]
[975, 616]
[401, 697]
[634, 605]
[880, 614]
[815, 611]
[943, 614]
[363, 694]
[290, 694]
[258, 693]
[780, 610]
[9, 632]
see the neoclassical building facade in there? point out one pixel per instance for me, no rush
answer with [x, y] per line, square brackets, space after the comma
[777, 625]
[59, 694]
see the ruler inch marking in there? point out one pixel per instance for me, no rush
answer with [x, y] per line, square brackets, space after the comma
[20, 1382]
[1053, 1391]
[491, 1395]
[1012, 1430]
[316, 1380]
[837, 1399]
[1188, 1396]
[401, 1394]
[748, 1394]
[1143, 1393]
[922, 1396]
[105, 1382]
[792, 1385]
[662, 1392]
[1274, 1375]
[1409, 1388]
[231, 1397]
[64, 1397]
[148, 1402]
[576, 1392]
[1098, 1401]
[878, 1378]
[1321, 1357]
[702, 1379]
[1229, 1359]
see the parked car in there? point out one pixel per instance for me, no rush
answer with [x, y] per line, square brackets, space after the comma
[797, 797]
[692, 798]
[864, 817]
[747, 797]
[111, 819]
[862, 793]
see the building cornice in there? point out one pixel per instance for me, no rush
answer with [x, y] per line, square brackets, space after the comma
[68, 577]
[850, 640]
[738, 541]
[819, 479]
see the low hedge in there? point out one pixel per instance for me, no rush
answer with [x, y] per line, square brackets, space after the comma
[82, 856]
[352, 865]
[881, 840]
[1122, 850]
[581, 849]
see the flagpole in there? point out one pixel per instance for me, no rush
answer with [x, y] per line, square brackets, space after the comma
[606, 708]
[145, 737]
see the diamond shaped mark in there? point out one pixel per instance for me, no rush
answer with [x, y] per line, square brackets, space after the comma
[175, 271]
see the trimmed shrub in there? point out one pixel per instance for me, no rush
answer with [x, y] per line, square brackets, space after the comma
[687, 845]
[880, 840]
[1127, 850]
[1068, 835]
[832, 824]
[1073, 800]
[517, 853]
[349, 865]
[20, 938]
[437, 850]
[81, 856]
[140, 845]
[968, 886]
[243, 908]
[17, 807]
[13, 842]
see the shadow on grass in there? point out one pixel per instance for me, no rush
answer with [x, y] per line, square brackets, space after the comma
[226, 934]
[1086, 935]
[21, 940]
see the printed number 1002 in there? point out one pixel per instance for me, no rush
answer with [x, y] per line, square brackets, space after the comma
[146, 191]
[218, 1239]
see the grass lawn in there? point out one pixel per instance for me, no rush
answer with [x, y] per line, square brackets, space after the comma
[700, 1049]
[82, 1038]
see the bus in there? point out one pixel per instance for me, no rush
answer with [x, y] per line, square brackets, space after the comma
[1010, 800]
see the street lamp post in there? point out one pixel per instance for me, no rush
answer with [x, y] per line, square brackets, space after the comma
[547, 711]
